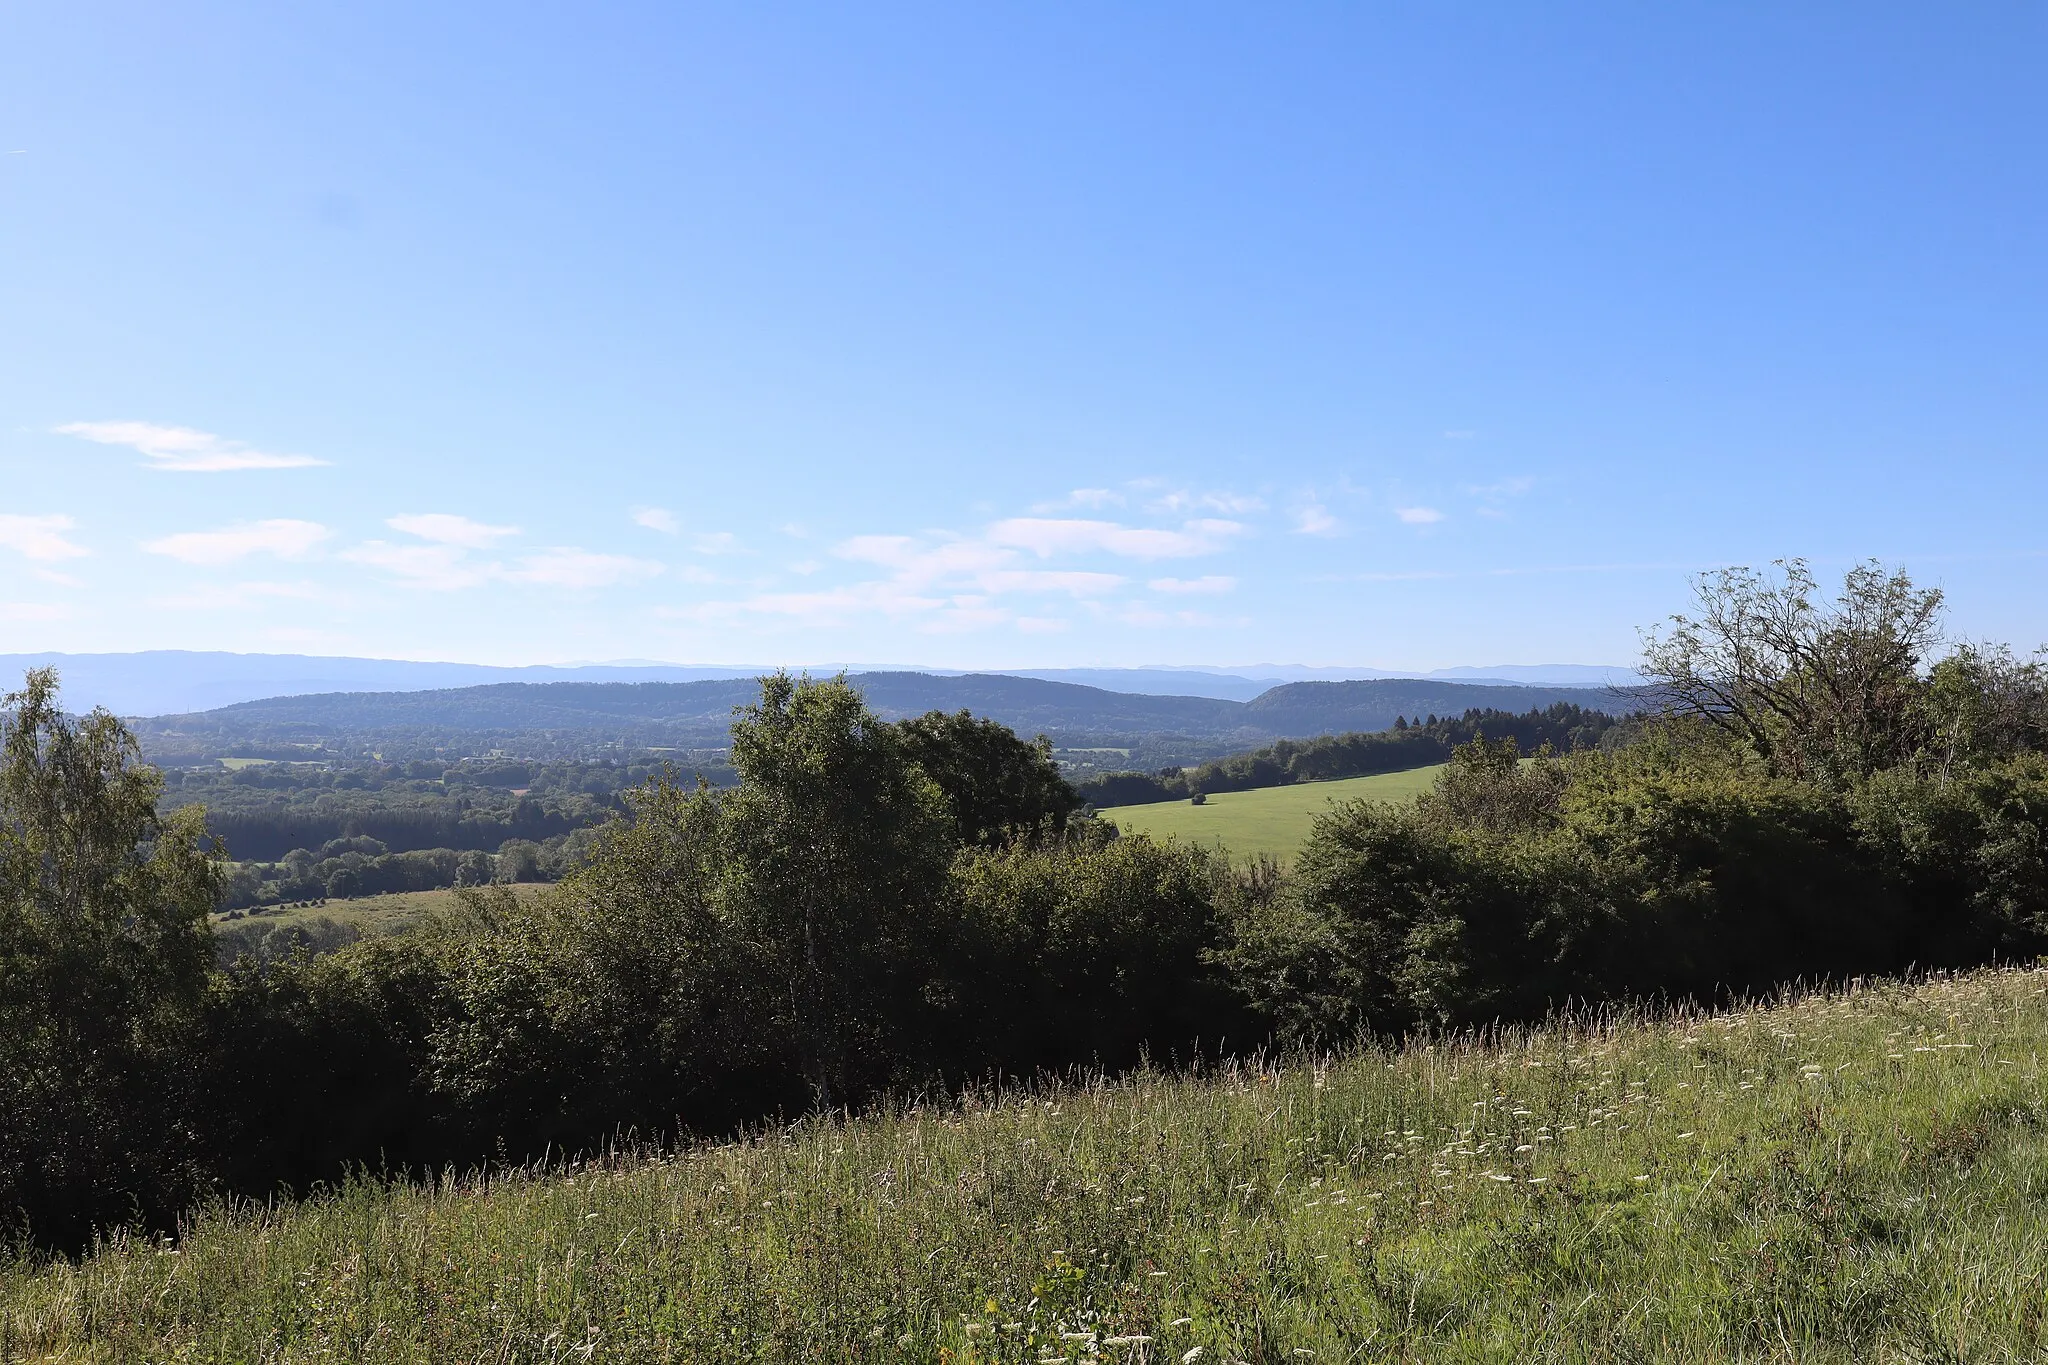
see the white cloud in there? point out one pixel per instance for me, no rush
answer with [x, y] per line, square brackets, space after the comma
[1504, 488]
[1094, 499]
[945, 581]
[827, 605]
[1206, 583]
[1073, 582]
[565, 567]
[1046, 537]
[62, 580]
[284, 538]
[716, 543]
[183, 449]
[1234, 503]
[446, 528]
[1316, 521]
[39, 538]
[239, 596]
[1418, 516]
[436, 568]
[657, 519]
[33, 611]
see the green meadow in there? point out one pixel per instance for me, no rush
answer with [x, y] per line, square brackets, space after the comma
[1273, 821]
[1854, 1176]
[370, 915]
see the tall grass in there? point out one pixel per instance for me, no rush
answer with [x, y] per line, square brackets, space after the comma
[1855, 1175]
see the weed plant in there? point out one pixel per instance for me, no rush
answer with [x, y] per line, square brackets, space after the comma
[1848, 1175]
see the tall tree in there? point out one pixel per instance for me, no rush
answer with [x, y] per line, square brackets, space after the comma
[104, 953]
[1830, 691]
[839, 844]
[997, 785]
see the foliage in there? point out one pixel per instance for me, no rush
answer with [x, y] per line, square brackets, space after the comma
[1827, 692]
[104, 952]
[266, 813]
[1562, 725]
[997, 786]
[1836, 1178]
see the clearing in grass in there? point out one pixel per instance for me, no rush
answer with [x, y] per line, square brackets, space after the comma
[1273, 821]
[1845, 1177]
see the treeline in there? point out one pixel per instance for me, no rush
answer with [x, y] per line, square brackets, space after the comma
[1562, 726]
[345, 868]
[264, 813]
[882, 907]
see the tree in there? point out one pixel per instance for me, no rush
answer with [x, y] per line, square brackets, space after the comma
[519, 861]
[997, 785]
[104, 955]
[1823, 691]
[839, 842]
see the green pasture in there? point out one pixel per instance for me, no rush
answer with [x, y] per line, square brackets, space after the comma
[1273, 821]
[371, 915]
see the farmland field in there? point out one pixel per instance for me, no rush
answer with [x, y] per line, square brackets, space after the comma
[369, 915]
[1844, 1177]
[1273, 821]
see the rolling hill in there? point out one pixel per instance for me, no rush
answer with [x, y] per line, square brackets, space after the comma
[584, 716]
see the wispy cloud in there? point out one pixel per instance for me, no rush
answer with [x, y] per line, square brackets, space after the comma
[716, 543]
[1045, 537]
[446, 528]
[1418, 516]
[435, 568]
[283, 538]
[34, 611]
[1207, 583]
[657, 519]
[1178, 503]
[239, 596]
[1316, 521]
[948, 581]
[565, 567]
[445, 564]
[40, 538]
[183, 449]
[1094, 499]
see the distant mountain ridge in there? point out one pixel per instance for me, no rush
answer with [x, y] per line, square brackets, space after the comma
[697, 714]
[183, 682]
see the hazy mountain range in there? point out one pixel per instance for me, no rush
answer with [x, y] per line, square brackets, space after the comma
[569, 718]
[178, 682]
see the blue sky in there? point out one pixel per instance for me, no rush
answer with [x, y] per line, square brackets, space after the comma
[984, 336]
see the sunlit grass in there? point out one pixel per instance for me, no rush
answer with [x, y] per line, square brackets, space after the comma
[389, 913]
[1856, 1176]
[1273, 821]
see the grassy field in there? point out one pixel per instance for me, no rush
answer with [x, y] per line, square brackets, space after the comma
[1852, 1177]
[368, 914]
[1272, 820]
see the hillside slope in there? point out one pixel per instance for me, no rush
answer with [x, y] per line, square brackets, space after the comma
[1845, 1178]
[696, 714]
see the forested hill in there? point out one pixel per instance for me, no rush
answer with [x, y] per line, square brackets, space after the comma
[561, 719]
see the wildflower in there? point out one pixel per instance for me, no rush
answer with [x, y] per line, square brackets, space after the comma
[1194, 1354]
